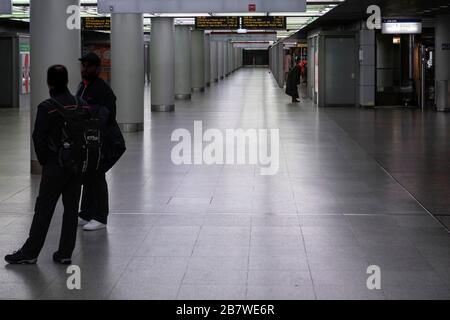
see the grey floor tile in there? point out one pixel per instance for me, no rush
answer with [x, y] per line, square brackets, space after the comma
[211, 292]
[261, 292]
[347, 292]
[277, 262]
[122, 291]
[218, 276]
[419, 292]
[220, 251]
[279, 278]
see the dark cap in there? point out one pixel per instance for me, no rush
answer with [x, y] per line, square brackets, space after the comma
[92, 58]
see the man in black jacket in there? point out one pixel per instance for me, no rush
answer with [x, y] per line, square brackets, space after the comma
[95, 205]
[56, 180]
[292, 82]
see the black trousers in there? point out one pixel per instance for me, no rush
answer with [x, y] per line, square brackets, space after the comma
[55, 182]
[94, 202]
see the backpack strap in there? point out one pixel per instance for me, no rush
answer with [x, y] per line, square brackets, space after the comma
[52, 102]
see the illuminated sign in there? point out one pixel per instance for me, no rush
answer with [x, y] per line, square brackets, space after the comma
[199, 6]
[96, 23]
[401, 26]
[217, 23]
[262, 23]
[5, 7]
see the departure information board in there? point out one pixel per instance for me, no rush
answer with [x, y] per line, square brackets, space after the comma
[217, 23]
[264, 23]
[96, 23]
[234, 23]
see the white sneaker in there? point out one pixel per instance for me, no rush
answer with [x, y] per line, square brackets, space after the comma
[82, 222]
[94, 225]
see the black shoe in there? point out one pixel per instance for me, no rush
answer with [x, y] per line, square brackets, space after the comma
[60, 260]
[19, 257]
[295, 100]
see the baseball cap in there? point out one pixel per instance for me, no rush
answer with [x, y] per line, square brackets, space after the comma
[92, 58]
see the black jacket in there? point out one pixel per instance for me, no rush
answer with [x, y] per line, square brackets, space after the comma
[48, 126]
[293, 80]
[99, 93]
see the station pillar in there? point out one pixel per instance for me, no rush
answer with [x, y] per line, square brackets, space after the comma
[443, 63]
[220, 60]
[182, 62]
[53, 41]
[127, 71]
[207, 60]
[162, 61]
[198, 60]
[214, 62]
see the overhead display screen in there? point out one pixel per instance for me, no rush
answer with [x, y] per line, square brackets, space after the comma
[217, 23]
[234, 23]
[96, 23]
[402, 26]
[262, 23]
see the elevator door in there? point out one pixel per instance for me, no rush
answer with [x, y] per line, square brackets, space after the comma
[340, 73]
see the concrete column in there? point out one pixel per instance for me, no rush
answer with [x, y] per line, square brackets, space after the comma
[127, 69]
[214, 61]
[207, 60]
[230, 58]
[226, 59]
[220, 60]
[443, 63]
[367, 66]
[52, 42]
[233, 58]
[162, 58]
[198, 60]
[241, 58]
[182, 62]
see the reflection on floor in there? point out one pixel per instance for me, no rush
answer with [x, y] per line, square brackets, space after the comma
[226, 232]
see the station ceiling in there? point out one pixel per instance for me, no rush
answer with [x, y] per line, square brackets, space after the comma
[357, 10]
[295, 20]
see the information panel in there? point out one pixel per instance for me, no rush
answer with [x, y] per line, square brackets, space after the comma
[401, 26]
[217, 23]
[96, 23]
[5, 7]
[263, 23]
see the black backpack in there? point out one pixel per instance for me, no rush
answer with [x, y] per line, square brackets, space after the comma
[80, 147]
[114, 146]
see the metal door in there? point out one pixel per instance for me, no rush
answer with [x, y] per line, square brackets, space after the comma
[340, 71]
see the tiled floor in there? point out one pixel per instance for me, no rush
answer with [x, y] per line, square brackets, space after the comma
[225, 232]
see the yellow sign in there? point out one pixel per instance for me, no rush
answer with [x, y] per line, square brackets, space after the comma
[217, 23]
[96, 23]
[271, 23]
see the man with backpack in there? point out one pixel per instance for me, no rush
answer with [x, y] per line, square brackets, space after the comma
[96, 92]
[66, 140]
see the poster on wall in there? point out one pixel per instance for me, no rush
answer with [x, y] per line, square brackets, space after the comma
[25, 68]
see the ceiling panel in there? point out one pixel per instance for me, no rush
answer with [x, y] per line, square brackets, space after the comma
[295, 20]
